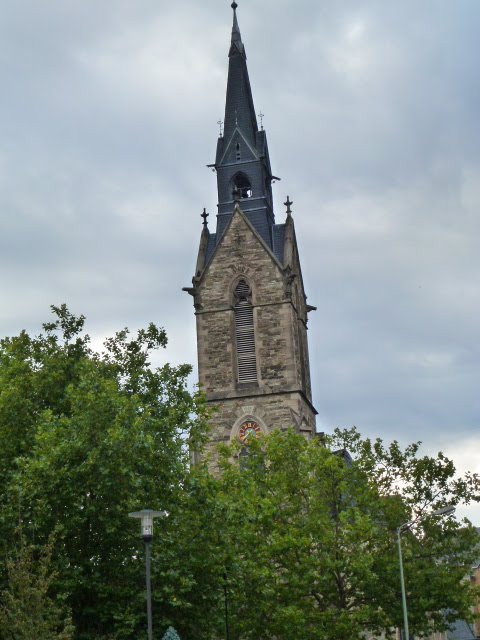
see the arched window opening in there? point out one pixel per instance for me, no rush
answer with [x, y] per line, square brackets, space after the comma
[245, 334]
[239, 155]
[242, 184]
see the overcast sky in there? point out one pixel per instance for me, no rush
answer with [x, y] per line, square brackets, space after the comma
[108, 117]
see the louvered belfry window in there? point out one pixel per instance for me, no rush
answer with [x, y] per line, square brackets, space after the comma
[244, 334]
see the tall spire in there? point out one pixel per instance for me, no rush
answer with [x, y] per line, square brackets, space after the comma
[242, 160]
[239, 109]
[236, 36]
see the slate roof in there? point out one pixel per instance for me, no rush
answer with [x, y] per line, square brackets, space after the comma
[242, 161]
[243, 149]
[278, 241]
[460, 631]
[212, 241]
[239, 108]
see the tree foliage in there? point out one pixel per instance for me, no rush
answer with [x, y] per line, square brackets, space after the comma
[297, 542]
[87, 438]
[27, 607]
[306, 534]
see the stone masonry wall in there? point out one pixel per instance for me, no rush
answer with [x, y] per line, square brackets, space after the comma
[280, 397]
[241, 254]
[269, 412]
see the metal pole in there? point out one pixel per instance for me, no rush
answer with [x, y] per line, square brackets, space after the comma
[227, 632]
[443, 511]
[149, 589]
[402, 583]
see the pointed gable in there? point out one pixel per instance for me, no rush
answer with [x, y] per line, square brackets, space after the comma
[238, 149]
[241, 247]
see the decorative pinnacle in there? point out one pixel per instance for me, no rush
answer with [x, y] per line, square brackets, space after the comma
[204, 215]
[261, 116]
[234, 5]
[288, 204]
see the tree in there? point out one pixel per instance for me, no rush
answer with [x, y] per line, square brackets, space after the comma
[300, 540]
[85, 439]
[188, 567]
[308, 538]
[27, 609]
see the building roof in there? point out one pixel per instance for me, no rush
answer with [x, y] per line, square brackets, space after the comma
[460, 631]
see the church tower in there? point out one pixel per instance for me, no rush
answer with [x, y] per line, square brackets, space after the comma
[250, 304]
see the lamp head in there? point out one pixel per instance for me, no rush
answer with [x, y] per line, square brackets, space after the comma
[146, 517]
[444, 511]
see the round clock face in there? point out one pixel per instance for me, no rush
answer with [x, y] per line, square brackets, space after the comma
[249, 430]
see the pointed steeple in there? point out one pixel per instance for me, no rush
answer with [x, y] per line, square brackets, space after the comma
[248, 294]
[239, 109]
[236, 36]
[242, 161]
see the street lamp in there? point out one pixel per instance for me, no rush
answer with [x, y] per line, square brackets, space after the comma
[146, 517]
[406, 525]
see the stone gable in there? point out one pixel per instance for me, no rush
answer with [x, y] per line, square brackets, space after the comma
[240, 252]
[279, 394]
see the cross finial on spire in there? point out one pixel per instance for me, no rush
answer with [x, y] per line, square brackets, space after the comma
[261, 116]
[204, 215]
[288, 204]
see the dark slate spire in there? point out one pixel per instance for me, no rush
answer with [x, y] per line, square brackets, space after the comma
[236, 37]
[242, 162]
[239, 109]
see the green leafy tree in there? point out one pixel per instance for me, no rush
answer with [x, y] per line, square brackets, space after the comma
[307, 537]
[190, 560]
[85, 439]
[298, 543]
[27, 608]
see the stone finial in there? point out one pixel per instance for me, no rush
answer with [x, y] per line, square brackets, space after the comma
[288, 204]
[204, 215]
[236, 195]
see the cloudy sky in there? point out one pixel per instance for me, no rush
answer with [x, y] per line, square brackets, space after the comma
[108, 117]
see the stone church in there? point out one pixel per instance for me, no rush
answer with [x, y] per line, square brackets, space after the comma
[250, 304]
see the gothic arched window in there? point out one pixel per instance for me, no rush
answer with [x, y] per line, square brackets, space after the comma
[242, 184]
[244, 333]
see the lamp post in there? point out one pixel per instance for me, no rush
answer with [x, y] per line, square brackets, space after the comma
[225, 593]
[406, 525]
[146, 517]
